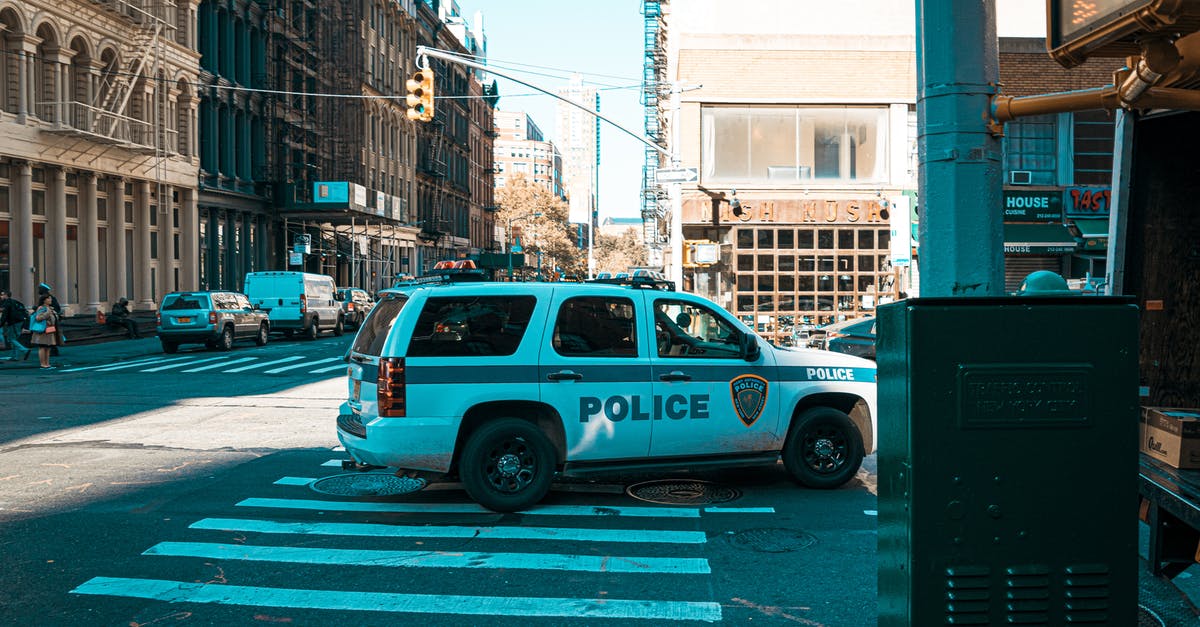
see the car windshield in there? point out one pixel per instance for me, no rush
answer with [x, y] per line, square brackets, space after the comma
[174, 302]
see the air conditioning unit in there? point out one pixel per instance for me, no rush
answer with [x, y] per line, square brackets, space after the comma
[1020, 177]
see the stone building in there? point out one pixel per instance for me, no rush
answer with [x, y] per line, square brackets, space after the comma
[521, 148]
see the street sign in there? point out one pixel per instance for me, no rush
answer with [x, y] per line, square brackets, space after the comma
[295, 259]
[676, 175]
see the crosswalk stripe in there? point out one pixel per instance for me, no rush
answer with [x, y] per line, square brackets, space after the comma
[190, 363]
[127, 364]
[135, 364]
[333, 462]
[295, 480]
[311, 363]
[470, 508]
[255, 596]
[435, 559]
[264, 364]
[646, 536]
[739, 510]
[221, 364]
[329, 369]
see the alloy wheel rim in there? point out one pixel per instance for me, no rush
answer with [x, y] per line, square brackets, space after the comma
[511, 465]
[826, 449]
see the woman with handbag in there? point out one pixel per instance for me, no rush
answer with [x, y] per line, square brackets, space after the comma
[44, 327]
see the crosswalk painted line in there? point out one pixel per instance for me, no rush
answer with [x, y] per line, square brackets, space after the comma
[329, 369]
[295, 480]
[127, 364]
[469, 508]
[221, 364]
[739, 510]
[190, 363]
[436, 559]
[334, 462]
[638, 536]
[160, 360]
[255, 596]
[264, 364]
[304, 365]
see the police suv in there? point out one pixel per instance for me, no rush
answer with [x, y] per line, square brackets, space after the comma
[508, 384]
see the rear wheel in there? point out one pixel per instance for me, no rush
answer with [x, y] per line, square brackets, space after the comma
[313, 330]
[340, 327]
[507, 465]
[263, 335]
[225, 342]
[824, 449]
[169, 347]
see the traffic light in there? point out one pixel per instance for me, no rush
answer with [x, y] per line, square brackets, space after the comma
[420, 95]
[1079, 29]
[688, 248]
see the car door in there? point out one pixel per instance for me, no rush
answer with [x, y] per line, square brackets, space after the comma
[247, 322]
[594, 370]
[713, 401]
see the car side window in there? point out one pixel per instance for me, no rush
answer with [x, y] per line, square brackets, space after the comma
[591, 326]
[463, 326]
[691, 330]
[240, 301]
[222, 301]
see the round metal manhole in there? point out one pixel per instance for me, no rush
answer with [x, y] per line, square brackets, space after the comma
[367, 484]
[676, 492]
[1147, 618]
[772, 540]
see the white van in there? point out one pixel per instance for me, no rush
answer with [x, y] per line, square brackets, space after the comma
[296, 301]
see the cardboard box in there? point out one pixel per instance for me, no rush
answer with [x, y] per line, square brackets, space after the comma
[1171, 435]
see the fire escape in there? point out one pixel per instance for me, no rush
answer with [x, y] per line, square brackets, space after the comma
[654, 69]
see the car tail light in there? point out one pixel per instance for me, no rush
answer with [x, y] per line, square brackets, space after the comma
[212, 317]
[389, 386]
[157, 317]
[303, 304]
[349, 306]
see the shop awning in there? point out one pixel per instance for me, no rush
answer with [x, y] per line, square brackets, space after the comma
[1094, 232]
[1037, 239]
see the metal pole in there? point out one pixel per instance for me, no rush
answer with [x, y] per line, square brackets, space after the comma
[353, 256]
[675, 267]
[961, 231]
[1122, 165]
[508, 245]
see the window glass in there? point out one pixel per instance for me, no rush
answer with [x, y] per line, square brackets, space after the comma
[825, 238]
[805, 283]
[766, 238]
[1031, 144]
[885, 238]
[787, 238]
[745, 303]
[375, 329]
[866, 263]
[766, 283]
[241, 302]
[463, 326]
[592, 326]
[745, 283]
[691, 330]
[178, 302]
[845, 239]
[745, 238]
[805, 240]
[787, 263]
[808, 263]
[866, 239]
[787, 282]
[745, 263]
[766, 262]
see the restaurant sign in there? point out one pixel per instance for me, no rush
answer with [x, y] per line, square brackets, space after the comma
[1033, 205]
[1087, 202]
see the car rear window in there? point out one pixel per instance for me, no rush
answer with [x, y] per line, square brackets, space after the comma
[175, 302]
[378, 324]
[471, 326]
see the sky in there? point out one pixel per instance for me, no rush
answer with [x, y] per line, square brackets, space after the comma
[598, 37]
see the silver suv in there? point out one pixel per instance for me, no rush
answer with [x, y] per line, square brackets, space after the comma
[216, 319]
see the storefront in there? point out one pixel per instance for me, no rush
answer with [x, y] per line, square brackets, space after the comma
[1034, 235]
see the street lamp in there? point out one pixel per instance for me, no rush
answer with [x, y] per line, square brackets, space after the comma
[509, 238]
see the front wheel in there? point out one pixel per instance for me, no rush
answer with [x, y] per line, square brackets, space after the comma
[313, 330]
[340, 328]
[507, 465]
[824, 449]
[263, 335]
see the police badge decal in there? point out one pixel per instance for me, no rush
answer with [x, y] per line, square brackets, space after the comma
[749, 397]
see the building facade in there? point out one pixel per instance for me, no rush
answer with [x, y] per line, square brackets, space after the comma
[578, 134]
[98, 151]
[522, 149]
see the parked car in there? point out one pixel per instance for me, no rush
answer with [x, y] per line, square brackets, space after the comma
[853, 337]
[296, 301]
[216, 319]
[356, 304]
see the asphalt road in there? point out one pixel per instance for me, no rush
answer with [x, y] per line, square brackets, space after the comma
[140, 491]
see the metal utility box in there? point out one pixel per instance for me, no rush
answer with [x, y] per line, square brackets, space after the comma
[1008, 461]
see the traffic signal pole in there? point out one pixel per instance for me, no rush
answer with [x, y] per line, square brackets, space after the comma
[961, 232]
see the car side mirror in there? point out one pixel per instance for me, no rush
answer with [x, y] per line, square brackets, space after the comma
[749, 346]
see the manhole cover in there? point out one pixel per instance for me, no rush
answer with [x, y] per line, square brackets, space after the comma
[771, 540]
[675, 492]
[1147, 618]
[367, 484]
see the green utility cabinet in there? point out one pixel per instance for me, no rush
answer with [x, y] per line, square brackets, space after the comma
[1008, 461]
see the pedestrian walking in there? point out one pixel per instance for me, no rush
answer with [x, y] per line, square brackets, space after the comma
[44, 289]
[13, 316]
[44, 328]
[121, 317]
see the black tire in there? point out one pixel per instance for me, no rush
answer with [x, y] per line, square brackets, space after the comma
[225, 342]
[314, 329]
[507, 465]
[264, 335]
[169, 348]
[824, 449]
[339, 328]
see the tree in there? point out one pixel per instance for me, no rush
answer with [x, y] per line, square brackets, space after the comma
[551, 234]
[619, 253]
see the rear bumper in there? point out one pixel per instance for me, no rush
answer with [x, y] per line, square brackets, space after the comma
[405, 443]
[184, 336]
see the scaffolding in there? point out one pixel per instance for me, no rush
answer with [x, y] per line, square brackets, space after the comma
[654, 70]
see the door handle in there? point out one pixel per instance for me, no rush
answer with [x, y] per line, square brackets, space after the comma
[674, 375]
[564, 375]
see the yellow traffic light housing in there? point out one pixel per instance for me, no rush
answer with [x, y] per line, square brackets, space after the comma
[1079, 29]
[420, 95]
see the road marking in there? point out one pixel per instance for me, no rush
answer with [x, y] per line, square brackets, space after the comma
[311, 363]
[871, 512]
[265, 363]
[333, 462]
[739, 510]
[483, 533]
[295, 481]
[222, 364]
[190, 363]
[145, 362]
[471, 508]
[127, 364]
[222, 594]
[329, 369]
[435, 559]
